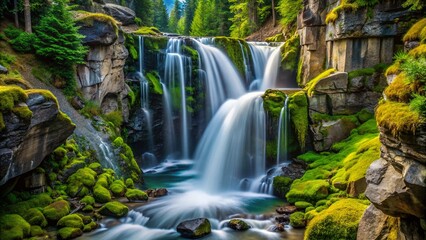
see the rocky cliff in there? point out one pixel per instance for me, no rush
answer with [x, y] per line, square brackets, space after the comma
[33, 127]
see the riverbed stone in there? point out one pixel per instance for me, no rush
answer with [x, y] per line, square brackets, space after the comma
[286, 209]
[195, 228]
[238, 225]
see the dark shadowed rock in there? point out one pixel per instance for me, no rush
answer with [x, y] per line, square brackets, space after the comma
[124, 15]
[374, 224]
[286, 209]
[195, 228]
[238, 225]
[3, 70]
[99, 33]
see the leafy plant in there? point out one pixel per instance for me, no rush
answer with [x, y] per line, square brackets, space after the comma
[24, 42]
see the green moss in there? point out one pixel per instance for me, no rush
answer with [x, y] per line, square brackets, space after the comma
[69, 233]
[290, 53]
[114, 209]
[96, 167]
[129, 166]
[334, 13]
[232, 48]
[101, 194]
[401, 90]
[88, 19]
[397, 117]
[115, 117]
[302, 204]
[309, 215]
[104, 180]
[419, 51]
[308, 209]
[147, 31]
[364, 115]
[72, 220]
[35, 217]
[56, 210]
[321, 203]
[310, 86]
[155, 44]
[88, 200]
[154, 82]
[14, 78]
[320, 208]
[298, 105]
[90, 227]
[9, 96]
[414, 34]
[297, 220]
[310, 191]
[281, 185]
[88, 208]
[361, 72]
[37, 231]
[339, 221]
[136, 194]
[48, 95]
[13, 226]
[130, 183]
[118, 188]
[80, 181]
[40, 200]
[273, 101]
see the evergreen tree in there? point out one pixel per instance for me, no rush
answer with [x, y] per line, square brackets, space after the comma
[144, 10]
[198, 25]
[161, 18]
[190, 7]
[175, 15]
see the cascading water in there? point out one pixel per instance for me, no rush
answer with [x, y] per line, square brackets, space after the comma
[230, 152]
[282, 146]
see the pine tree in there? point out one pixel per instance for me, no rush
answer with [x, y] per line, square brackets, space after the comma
[144, 10]
[175, 15]
[198, 23]
[161, 18]
[190, 7]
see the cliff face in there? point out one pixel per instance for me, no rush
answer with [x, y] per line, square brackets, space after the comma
[26, 142]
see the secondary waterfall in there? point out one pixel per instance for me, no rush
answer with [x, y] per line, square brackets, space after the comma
[283, 128]
[271, 70]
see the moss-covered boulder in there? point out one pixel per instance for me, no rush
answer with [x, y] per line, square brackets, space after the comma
[35, 217]
[130, 183]
[118, 188]
[238, 225]
[81, 181]
[136, 195]
[88, 200]
[13, 226]
[114, 209]
[195, 228]
[309, 191]
[69, 233]
[302, 205]
[339, 221]
[56, 210]
[37, 231]
[297, 220]
[72, 220]
[281, 185]
[101, 194]
[90, 227]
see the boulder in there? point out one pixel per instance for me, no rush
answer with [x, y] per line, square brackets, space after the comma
[124, 15]
[114, 209]
[335, 83]
[286, 209]
[195, 228]
[283, 218]
[374, 224]
[25, 143]
[238, 225]
[99, 33]
[326, 133]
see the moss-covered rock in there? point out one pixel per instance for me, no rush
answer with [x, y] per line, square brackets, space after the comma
[310, 191]
[297, 220]
[72, 220]
[56, 210]
[273, 101]
[13, 226]
[35, 217]
[298, 106]
[101, 194]
[90, 227]
[238, 224]
[281, 185]
[130, 183]
[96, 167]
[37, 231]
[302, 205]
[69, 233]
[114, 209]
[136, 195]
[234, 48]
[118, 188]
[339, 221]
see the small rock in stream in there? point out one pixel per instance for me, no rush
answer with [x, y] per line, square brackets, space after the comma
[195, 228]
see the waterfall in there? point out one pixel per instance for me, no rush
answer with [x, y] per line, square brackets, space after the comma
[282, 146]
[176, 73]
[271, 70]
[233, 145]
[246, 61]
[170, 135]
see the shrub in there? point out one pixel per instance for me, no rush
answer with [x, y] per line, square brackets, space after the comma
[11, 32]
[115, 117]
[24, 42]
[415, 69]
[297, 220]
[418, 104]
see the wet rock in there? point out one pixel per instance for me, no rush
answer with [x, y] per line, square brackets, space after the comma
[294, 170]
[77, 103]
[114, 209]
[124, 15]
[195, 228]
[157, 192]
[3, 70]
[286, 209]
[98, 33]
[374, 224]
[238, 225]
[326, 133]
[283, 218]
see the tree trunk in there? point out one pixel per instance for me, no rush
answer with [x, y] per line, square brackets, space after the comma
[273, 13]
[27, 16]
[15, 5]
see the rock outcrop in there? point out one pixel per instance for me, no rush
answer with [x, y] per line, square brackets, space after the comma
[101, 78]
[24, 144]
[396, 183]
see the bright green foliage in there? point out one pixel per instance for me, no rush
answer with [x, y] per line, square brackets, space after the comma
[414, 69]
[72, 220]
[11, 32]
[24, 42]
[273, 101]
[345, 5]
[69, 233]
[144, 10]
[281, 185]
[114, 209]
[348, 162]
[298, 105]
[154, 82]
[6, 59]
[289, 9]
[414, 4]
[78, 182]
[88, 200]
[297, 220]
[37, 231]
[96, 167]
[130, 183]
[203, 18]
[9, 96]
[339, 221]
[397, 117]
[147, 31]
[160, 18]
[57, 37]
[414, 34]
[21, 208]
[23, 112]
[35, 217]
[310, 86]
[188, 15]
[90, 226]
[175, 15]
[115, 117]
[101, 194]
[13, 226]
[131, 168]
[418, 104]
[136, 194]
[302, 205]
[56, 210]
